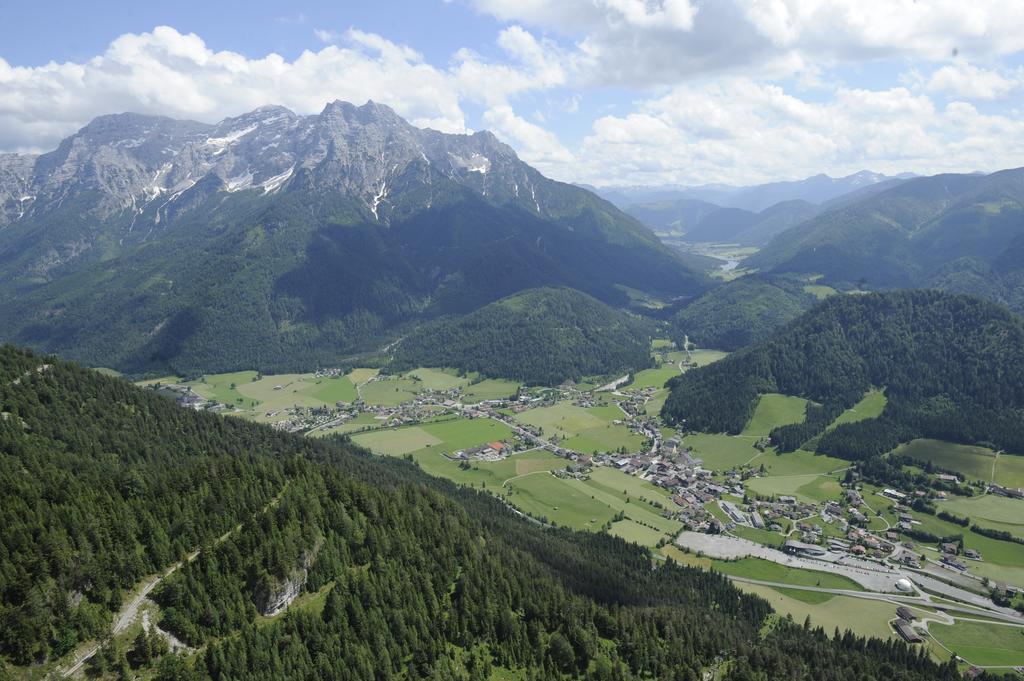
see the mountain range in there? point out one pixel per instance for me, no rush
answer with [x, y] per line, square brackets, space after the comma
[277, 241]
[750, 216]
[816, 189]
[960, 233]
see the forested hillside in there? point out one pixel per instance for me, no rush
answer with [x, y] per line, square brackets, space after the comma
[415, 578]
[540, 336]
[952, 367]
[742, 311]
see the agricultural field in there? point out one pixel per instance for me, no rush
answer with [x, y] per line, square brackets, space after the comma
[441, 436]
[491, 475]
[389, 392]
[656, 402]
[489, 389]
[861, 616]
[223, 387]
[395, 442]
[632, 531]
[999, 512]
[653, 378]
[583, 429]
[982, 643]
[705, 357]
[589, 504]
[976, 463]
[870, 407]
[814, 487]
[254, 396]
[721, 452]
[438, 379]
[774, 410]
[800, 462]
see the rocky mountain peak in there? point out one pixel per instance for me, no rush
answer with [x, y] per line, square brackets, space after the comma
[133, 165]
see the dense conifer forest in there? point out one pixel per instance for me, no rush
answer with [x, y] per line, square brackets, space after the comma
[743, 311]
[102, 483]
[952, 368]
[541, 336]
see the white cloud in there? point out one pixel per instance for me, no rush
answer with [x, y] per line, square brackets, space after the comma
[536, 146]
[638, 42]
[966, 81]
[534, 65]
[865, 28]
[740, 131]
[169, 73]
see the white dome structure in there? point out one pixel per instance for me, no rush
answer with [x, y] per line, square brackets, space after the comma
[905, 585]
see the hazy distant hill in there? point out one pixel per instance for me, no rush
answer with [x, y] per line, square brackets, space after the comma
[274, 240]
[948, 231]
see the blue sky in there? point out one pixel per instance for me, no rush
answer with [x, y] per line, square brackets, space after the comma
[600, 91]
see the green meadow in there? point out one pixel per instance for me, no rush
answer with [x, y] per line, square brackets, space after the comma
[982, 643]
[774, 410]
[870, 407]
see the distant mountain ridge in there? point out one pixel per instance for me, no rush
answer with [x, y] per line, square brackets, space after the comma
[276, 240]
[951, 231]
[750, 216]
[816, 189]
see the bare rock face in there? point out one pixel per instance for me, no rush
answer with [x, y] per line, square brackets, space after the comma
[130, 166]
[275, 596]
[15, 182]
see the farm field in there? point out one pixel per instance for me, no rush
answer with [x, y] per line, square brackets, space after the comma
[870, 407]
[705, 357]
[331, 389]
[491, 475]
[443, 436]
[223, 387]
[583, 429]
[721, 452]
[1005, 513]
[656, 402]
[396, 442]
[812, 487]
[632, 531]
[438, 379]
[589, 504]
[615, 481]
[775, 410]
[757, 568]
[653, 378]
[389, 392]
[489, 389]
[976, 463]
[800, 462]
[861, 616]
[982, 644]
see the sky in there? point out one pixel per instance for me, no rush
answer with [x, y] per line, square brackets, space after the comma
[605, 92]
